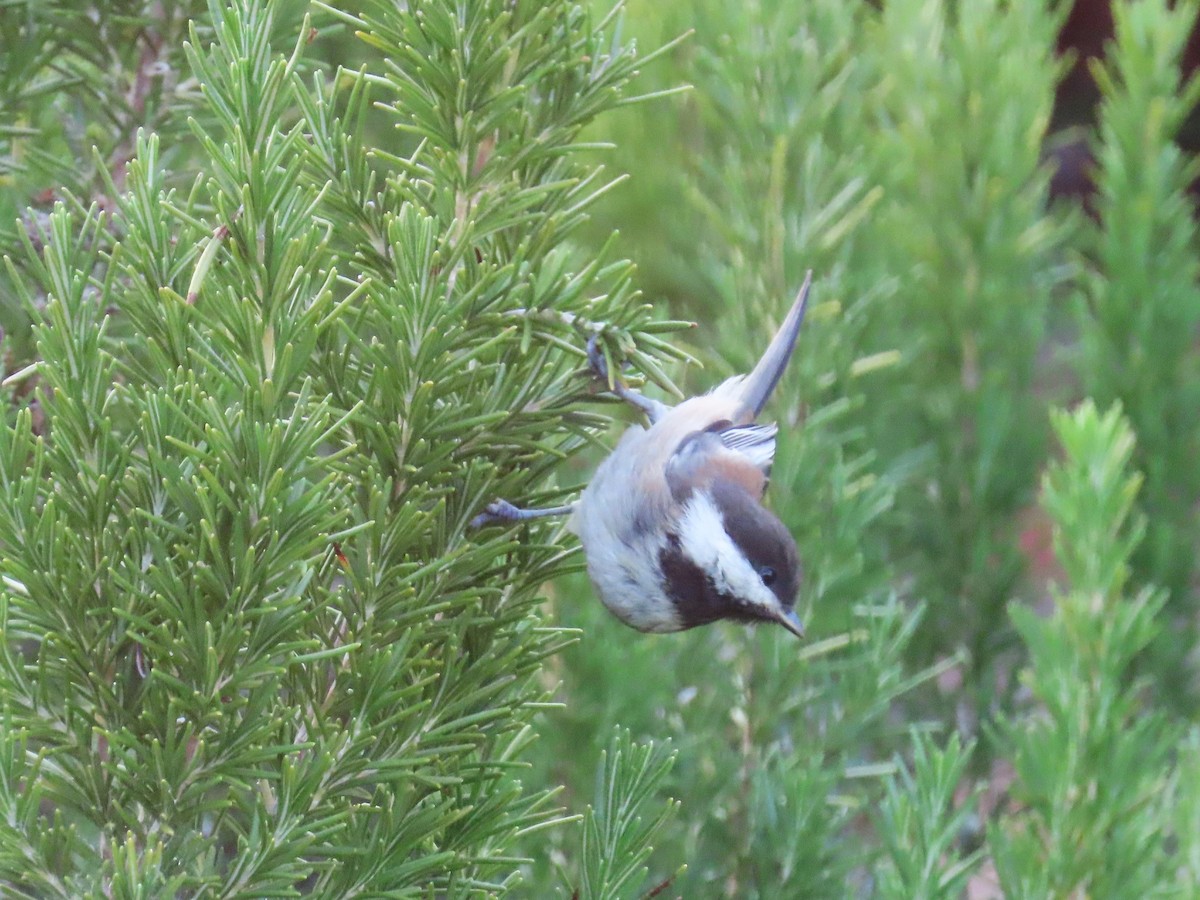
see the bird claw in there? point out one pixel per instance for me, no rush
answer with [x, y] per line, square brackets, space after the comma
[596, 358]
[494, 512]
[653, 409]
[502, 511]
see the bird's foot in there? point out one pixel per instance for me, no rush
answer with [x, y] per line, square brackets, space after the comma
[499, 511]
[596, 358]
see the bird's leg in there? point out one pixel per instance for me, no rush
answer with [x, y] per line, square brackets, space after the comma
[653, 409]
[503, 511]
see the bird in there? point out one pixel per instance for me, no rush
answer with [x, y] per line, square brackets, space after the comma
[672, 523]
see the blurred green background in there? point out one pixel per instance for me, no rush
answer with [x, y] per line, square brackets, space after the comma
[993, 235]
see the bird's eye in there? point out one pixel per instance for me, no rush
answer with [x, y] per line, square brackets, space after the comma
[767, 574]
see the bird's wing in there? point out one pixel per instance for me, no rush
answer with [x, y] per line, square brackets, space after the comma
[739, 454]
[755, 442]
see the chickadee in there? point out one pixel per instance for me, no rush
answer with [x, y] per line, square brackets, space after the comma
[672, 523]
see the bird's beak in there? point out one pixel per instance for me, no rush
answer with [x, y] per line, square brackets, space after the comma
[791, 622]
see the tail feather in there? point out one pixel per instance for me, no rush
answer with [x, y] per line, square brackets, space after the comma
[755, 390]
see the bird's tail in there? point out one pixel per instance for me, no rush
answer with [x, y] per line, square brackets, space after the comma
[755, 389]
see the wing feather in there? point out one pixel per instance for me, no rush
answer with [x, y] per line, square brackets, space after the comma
[704, 456]
[755, 442]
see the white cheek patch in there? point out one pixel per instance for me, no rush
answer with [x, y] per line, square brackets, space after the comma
[703, 539]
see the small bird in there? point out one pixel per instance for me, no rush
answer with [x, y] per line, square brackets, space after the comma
[672, 523]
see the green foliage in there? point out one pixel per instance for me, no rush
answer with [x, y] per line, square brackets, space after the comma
[75, 85]
[1185, 822]
[921, 827]
[1141, 304]
[251, 649]
[286, 301]
[1092, 765]
[615, 835]
[964, 99]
